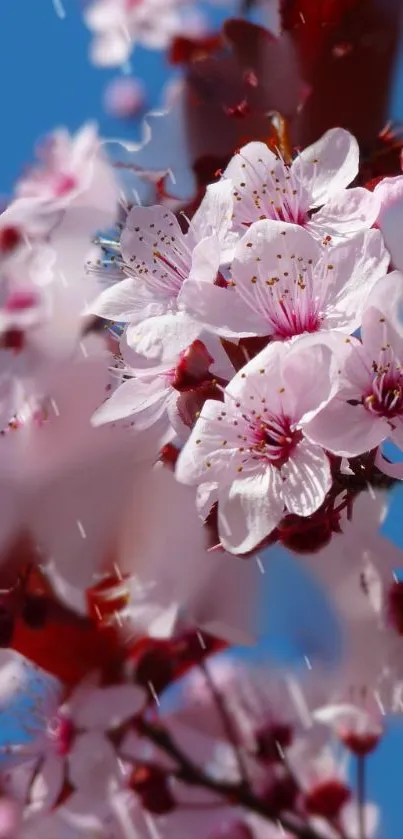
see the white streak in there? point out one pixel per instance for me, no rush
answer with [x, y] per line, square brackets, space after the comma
[59, 9]
[153, 693]
[81, 529]
[308, 662]
[260, 565]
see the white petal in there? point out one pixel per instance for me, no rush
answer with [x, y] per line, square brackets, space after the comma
[351, 822]
[212, 451]
[346, 430]
[307, 479]
[328, 165]
[307, 371]
[220, 309]
[266, 269]
[144, 401]
[358, 266]
[92, 763]
[108, 707]
[125, 301]
[110, 49]
[348, 212]
[48, 783]
[153, 243]
[249, 509]
[214, 216]
[162, 338]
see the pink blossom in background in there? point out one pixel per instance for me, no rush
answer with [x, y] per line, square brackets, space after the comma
[124, 97]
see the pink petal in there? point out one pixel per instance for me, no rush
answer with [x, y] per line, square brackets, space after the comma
[382, 322]
[10, 818]
[214, 216]
[125, 301]
[110, 49]
[92, 763]
[124, 97]
[162, 338]
[221, 309]
[347, 430]
[106, 708]
[346, 213]
[247, 171]
[249, 509]
[351, 823]
[307, 479]
[393, 470]
[308, 378]
[205, 456]
[266, 267]
[149, 234]
[145, 402]
[358, 265]
[328, 165]
[390, 219]
[48, 783]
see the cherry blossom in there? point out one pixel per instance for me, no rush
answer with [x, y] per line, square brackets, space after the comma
[65, 166]
[253, 448]
[266, 186]
[57, 471]
[368, 409]
[170, 395]
[165, 592]
[356, 727]
[284, 284]
[70, 740]
[327, 796]
[158, 260]
[118, 26]
[124, 98]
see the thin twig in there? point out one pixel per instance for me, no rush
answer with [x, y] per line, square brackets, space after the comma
[227, 722]
[234, 793]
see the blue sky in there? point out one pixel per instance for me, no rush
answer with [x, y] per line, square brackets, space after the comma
[47, 81]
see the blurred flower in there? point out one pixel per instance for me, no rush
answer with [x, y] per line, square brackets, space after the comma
[124, 97]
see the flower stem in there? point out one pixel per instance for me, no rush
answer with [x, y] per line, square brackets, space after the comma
[361, 795]
[235, 794]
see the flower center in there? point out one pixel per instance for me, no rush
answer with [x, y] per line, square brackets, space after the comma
[279, 196]
[386, 395]
[327, 798]
[64, 184]
[61, 732]
[273, 440]
[19, 301]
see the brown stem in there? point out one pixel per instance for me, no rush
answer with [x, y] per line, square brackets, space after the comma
[234, 793]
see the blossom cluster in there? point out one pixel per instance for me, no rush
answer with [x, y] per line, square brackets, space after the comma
[262, 336]
[187, 381]
[181, 390]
